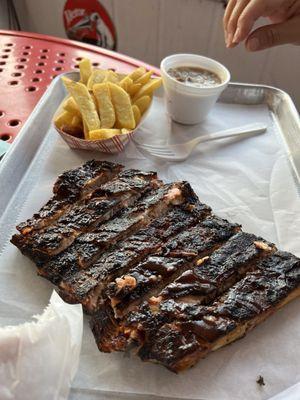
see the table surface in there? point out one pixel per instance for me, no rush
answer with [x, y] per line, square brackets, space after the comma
[29, 62]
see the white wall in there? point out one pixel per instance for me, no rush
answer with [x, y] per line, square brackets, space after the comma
[152, 29]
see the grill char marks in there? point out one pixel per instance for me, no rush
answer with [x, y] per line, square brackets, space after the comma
[104, 325]
[226, 266]
[147, 279]
[69, 188]
[205, 280]
[192, 242]
[196, 329]
[131, 288]
[104, 202]
[178, 256]
[98, 206]
[248, 303]
[86, 286]
[153, 266]
[141, 215]
[175, 348]
[88, 247]
[74, 183]
[276, 278]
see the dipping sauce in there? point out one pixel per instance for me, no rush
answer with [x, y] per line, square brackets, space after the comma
[195, 76]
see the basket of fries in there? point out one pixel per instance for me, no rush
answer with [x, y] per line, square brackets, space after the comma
[104, 109]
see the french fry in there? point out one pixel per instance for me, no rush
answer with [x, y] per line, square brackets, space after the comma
[134, 88]
[105, 106]
[137, 73]
[77, 122]
[101, 134]
[105, 103]
[85, 104]
[97, 76]
[118, 125]
[111, 77]
[125, 83]
[148, 88]
[86, 69]
[143, 103]
[95, 101]
[122, 105]
[85, 130]
[137, 114]
[71, 106]
[120, 76]
[75, 131]
[145, 78]
[65, 118]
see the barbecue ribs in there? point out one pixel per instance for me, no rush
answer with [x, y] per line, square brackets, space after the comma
[153, 266]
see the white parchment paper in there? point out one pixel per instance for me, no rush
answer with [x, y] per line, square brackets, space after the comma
[247, 181]
[39, 359]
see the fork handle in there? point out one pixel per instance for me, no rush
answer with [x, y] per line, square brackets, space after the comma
[256, 127]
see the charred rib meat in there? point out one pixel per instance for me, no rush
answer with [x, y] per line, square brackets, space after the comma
[98, 206]
[86, 286]
[152, 264]
[198, 330]
[70, 187]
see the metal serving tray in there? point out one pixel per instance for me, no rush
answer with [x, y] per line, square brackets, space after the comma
[282, 109]
[21, 166]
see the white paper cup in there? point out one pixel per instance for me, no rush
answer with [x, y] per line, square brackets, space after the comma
[190, 104]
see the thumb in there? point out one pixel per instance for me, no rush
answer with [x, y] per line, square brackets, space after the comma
[274, 35]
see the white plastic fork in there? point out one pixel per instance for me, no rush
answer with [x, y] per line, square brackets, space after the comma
[180, 152]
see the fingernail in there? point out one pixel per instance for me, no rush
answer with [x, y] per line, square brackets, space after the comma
[253, 44]
[236, 37]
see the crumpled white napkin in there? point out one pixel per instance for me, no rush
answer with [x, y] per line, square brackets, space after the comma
[39, 359]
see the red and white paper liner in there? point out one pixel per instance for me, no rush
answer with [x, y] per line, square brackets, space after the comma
[116, 144]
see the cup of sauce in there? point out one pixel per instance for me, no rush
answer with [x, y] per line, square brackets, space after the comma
[192, 86]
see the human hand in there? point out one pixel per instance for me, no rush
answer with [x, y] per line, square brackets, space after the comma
[240, 16]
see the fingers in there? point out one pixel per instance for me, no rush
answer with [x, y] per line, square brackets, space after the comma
[241, 15]
[253, 10]
[229, 8]
[232, 28]
[274, 35]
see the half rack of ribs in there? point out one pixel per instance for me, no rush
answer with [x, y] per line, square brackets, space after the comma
[151, 264]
